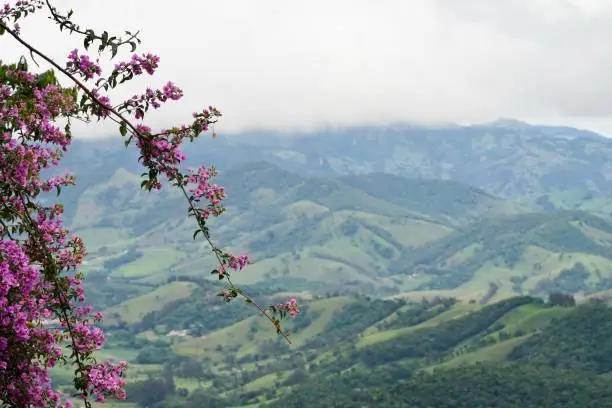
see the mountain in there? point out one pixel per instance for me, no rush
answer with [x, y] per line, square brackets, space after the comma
[366, 232]
[505, 159]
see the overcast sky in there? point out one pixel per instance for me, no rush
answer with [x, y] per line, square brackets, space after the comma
[300, 64]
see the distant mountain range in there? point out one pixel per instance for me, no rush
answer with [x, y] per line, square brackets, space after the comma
[505, 159]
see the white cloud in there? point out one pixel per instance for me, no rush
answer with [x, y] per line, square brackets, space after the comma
[283, 64]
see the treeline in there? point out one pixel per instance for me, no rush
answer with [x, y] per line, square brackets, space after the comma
[582, 340]
[418, 313]
[568, 353]
[517, 386]
[557, 366]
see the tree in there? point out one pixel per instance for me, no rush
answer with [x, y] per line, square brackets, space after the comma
[561, 299]
[192, 368]
[168, 376]
[41, 296]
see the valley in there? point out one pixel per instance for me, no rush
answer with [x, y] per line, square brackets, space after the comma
[419, 257]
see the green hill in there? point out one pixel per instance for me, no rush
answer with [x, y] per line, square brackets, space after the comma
[375, 234]
[523, 254]
[375, 349]
[373, 210]
[444, 198]
[342, 231]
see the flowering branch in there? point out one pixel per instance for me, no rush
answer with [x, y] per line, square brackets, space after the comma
[138, 132]
[38, 261]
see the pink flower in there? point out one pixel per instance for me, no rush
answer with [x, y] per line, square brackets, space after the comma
[81, 64]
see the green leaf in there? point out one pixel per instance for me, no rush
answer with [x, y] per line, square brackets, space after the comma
[123, 129]
[1, 29]
[46, 78]
[195, 234]
[22, 65]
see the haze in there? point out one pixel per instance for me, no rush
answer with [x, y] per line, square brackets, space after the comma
[289, 65]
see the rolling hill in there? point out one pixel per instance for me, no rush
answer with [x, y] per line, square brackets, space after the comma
[523, 254]
[377, 234]
[368, 347]
[342, 231]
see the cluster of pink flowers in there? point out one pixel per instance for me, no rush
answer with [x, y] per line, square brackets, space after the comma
[160, 153]
[82, 65]
[138, 63]
[26, 349]
[20, 7]
[238, 262]
[290, 307]
[103, 379]
[203, 187]
[154, 98]
[101, 109]
[228, 262]
[35, 279]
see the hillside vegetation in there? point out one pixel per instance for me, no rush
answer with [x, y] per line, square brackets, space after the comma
[373, 234]
[423, 258]
[381, 352]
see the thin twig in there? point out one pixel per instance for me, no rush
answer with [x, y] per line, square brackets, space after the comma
[214, 249]
[56, 17]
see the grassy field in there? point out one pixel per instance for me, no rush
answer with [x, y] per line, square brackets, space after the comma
[373, 337]
[155, 261]
[495, 353]
[134, 309]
